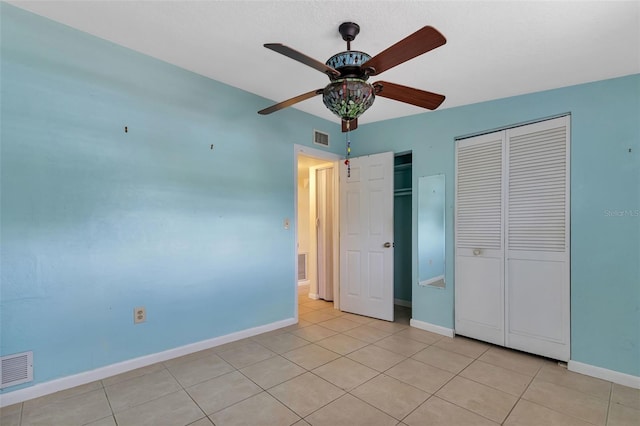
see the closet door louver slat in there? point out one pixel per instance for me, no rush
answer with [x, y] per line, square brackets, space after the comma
[479, 196]
[537, 191]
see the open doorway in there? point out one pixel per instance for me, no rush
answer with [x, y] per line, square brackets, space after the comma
[317, 225]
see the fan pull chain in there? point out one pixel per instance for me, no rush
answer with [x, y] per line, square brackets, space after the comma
[347, 162]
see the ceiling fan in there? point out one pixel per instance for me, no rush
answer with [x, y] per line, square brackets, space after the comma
[348, 94]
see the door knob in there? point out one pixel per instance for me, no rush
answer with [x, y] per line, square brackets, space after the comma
[476, 252]
[387, 244]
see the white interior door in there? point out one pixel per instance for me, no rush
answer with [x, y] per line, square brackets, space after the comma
[479, 257]
[537, 239]
[366, 236]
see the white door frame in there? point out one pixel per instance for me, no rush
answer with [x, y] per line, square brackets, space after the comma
[329, 157]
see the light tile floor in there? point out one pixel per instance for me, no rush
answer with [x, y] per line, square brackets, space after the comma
[334, 369]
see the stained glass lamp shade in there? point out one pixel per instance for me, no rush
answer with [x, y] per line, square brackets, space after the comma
[350, 95]
[348, 98]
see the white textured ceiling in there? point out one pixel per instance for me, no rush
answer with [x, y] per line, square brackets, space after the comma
[494, 49]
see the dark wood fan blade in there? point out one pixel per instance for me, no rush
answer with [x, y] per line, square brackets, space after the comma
[408, 95]
[425, 39]
[301, 57]
[289, 102]
[353, 124]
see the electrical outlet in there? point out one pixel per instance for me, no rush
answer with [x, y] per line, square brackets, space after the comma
[139, 315]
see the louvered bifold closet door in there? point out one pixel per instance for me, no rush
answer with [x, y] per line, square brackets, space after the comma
[537, 238]
[479, 259]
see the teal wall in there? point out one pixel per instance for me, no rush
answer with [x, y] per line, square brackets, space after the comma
[605, 204]
[96, 221]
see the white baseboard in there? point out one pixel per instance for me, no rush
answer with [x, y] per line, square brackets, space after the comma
[401, 302]
[68, 382]
[314, 296]
[605, 374]
[575, 366]
[431, 327]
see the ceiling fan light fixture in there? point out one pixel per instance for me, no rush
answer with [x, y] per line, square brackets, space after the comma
[348, 98]
[348, 95]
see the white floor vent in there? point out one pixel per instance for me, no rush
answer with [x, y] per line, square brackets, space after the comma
[302, 266]
[16, 369]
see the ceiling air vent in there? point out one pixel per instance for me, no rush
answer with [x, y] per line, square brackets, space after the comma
[16, 369]
[320, 138]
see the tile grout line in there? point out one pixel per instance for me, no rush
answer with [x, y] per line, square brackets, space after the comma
[106, 396]
[206, 416]
[522, 394]
[606, 419]
[391, 377]
[419, 405]
[553, 409]
[319, 408]
[20, 415]
[443, 385]
[306, 371]
[456, 375]
[239, 401]
[408, 384]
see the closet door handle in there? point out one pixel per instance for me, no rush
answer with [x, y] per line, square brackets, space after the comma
[477, 252]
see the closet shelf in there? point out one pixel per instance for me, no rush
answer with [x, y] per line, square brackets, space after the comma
[402, 191]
